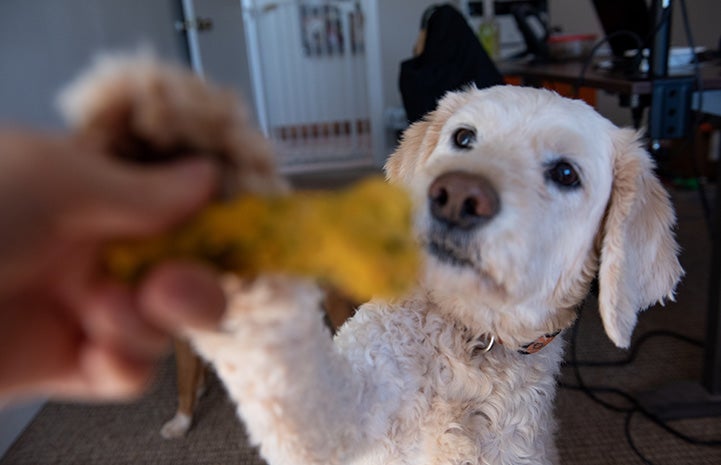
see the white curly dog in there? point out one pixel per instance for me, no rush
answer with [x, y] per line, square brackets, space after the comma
[523, 197]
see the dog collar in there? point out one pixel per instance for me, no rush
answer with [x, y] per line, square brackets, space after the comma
[488, 341]
[538, 344]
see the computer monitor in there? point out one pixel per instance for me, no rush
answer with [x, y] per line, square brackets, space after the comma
[624, 15]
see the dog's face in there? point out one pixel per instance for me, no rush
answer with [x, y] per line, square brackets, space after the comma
[518, 192]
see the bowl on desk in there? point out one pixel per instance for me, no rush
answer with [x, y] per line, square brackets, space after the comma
[570, 46]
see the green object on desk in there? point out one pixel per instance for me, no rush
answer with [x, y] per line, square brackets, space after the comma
[489, 35]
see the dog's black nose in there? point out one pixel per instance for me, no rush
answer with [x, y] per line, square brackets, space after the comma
[462, 200]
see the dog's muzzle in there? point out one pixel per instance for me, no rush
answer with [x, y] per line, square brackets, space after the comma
[459, 203]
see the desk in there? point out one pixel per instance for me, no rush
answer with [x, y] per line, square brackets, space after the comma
[678, 400]
[569, 73]
[635, 92]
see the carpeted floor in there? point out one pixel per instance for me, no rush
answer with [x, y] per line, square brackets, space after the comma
[588, 433]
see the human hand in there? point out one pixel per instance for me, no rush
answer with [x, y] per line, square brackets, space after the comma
[66, 330]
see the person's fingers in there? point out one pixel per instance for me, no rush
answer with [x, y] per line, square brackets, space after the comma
[45, 353]
[181, 295]
[100, 375]
[106, 374]
[111, 317]
[115, 198]
[37, 343]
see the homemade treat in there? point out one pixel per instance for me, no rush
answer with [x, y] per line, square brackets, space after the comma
[359, 240]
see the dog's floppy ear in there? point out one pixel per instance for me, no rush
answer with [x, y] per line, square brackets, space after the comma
[638, 261]
[400, 164]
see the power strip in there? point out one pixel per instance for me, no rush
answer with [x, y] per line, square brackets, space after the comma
[671, 107]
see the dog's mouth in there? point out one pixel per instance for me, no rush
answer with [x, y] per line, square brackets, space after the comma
[448, 254]
[461, 252]
[449, 250]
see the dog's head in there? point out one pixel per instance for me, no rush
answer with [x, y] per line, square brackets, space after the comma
[523, 197]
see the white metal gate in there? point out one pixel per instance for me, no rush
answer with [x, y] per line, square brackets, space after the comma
[308, 63]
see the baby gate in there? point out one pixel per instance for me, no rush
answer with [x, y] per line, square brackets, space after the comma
[308, 66]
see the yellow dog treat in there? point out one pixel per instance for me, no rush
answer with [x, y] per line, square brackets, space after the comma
[359, 240]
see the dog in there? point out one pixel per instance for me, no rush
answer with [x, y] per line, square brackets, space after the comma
[523, 198]
[191, 377]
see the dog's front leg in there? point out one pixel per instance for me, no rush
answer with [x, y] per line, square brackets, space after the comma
[297, 394]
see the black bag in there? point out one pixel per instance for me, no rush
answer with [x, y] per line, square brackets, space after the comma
[452, 58]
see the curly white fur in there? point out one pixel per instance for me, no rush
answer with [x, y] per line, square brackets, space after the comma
[404, 382]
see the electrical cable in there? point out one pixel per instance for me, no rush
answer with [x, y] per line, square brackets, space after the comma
[631, 442]
[633, 353]
[592, 54]
[637, 407]
[633, 404]
[637, 58]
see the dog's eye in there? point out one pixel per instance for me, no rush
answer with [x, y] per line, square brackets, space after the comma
[564, 174]
[463, 138]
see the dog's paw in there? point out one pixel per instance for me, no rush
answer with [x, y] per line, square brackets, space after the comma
[266, 316]
[177, 427]
[266, 299]
[267, 308]
[138, 108]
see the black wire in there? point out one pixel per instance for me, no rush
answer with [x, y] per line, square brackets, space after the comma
[590, 392]
[635, 404]
[631, 442]
[637, 58]
[592, 53]
[635, 349]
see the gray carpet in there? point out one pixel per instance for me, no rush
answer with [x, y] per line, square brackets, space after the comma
[588, 434]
